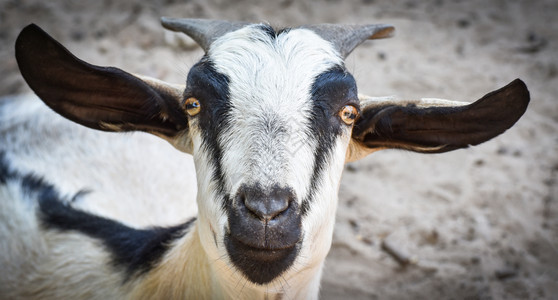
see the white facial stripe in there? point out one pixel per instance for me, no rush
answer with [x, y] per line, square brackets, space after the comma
[268, 141]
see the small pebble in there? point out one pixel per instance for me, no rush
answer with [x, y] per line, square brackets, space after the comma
[463, 23]
[382, 56]
[505, 273]
[351, 168]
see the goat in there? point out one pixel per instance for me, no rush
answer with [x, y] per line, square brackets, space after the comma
[266, 207]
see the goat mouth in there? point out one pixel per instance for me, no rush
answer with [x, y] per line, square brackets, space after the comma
[260, 265]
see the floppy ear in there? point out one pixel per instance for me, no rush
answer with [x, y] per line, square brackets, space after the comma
[103, 98]
[435, 126]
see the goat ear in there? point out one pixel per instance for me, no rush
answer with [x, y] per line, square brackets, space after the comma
[103, 98]
[435, 126]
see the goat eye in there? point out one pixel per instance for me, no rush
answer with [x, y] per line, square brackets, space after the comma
[192, 106]
[348, 114]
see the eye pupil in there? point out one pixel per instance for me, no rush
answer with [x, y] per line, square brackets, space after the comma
[348, 114]
[192, 106]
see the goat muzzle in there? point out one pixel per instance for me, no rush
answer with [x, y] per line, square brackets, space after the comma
[264, 231]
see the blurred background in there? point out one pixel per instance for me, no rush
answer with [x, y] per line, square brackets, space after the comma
[479, 223]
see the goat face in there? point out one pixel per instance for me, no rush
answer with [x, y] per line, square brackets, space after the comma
[269, 146]
[269, 119]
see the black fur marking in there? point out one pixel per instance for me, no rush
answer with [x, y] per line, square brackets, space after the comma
[269, 30]
[5, 172]
[31, 185]
[136, 250]
[330, 92]
[211, 88]
[283, 31]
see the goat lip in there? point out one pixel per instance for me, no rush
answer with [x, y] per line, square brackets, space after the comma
[235, 245]
[267, 248]
[260, 265]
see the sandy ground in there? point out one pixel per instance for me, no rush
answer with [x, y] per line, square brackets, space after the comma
[480, 223]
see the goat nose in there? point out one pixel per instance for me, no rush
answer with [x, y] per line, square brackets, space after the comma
[266, 205]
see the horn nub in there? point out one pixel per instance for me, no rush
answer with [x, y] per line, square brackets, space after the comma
[204, 32]
[347, 37]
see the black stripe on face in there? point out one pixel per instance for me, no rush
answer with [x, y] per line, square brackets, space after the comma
[211, 88]
[330, 91]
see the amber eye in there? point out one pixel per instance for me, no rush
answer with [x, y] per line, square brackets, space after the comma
[192, 106]
[348, 114]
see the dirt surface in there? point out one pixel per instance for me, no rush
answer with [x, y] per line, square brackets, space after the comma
[479, 223]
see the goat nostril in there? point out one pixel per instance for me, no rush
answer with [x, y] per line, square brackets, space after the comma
[266, 209]
[242, 197]
[266, 206]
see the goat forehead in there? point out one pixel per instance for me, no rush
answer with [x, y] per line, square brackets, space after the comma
[270, 78]
[269, 71]
[259, 45]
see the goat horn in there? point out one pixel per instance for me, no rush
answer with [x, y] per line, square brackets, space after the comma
[204, 32]
[347, 37]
